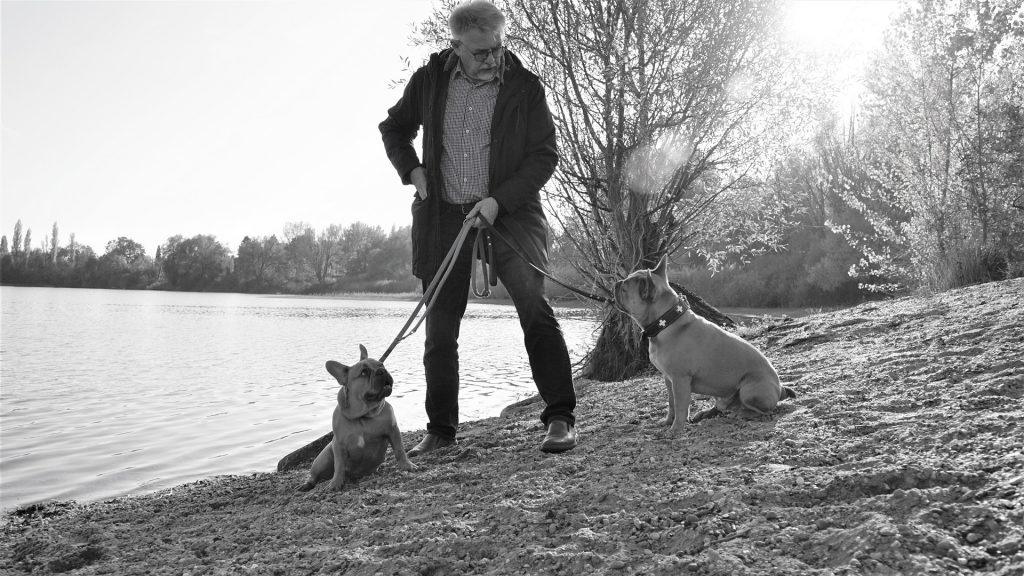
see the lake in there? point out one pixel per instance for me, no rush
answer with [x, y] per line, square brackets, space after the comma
[105, 393]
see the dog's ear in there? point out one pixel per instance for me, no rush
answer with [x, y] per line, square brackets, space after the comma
[339, 371]
[362, 353]
[662, 268]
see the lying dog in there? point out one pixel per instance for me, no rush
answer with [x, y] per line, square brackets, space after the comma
[364, 424]
[695, 355]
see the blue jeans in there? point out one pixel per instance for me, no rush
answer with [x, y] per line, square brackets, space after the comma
[545, 344]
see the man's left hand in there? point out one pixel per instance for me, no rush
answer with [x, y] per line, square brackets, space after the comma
[486, 209]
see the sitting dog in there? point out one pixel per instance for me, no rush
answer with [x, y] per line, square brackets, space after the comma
[695, 355]
[363, 423]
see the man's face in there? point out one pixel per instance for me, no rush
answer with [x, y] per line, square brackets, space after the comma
[481, 53]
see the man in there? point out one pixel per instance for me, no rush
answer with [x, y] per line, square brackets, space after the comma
[488, 148]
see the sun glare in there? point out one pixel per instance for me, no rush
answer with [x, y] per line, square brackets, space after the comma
[844, 32]
[829, 24]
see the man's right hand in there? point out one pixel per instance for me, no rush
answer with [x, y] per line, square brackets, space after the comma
[418, 176]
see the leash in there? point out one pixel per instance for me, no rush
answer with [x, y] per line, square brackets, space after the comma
[573, 289]
[430, 294]
[484, 250]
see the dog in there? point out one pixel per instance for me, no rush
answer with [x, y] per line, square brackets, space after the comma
[696, 356]
[363, 423]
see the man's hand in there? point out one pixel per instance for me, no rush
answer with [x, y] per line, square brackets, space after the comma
[419, 180]
[486, 209]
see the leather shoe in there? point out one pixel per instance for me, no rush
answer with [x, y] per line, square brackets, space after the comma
[560, 437]
[429, 443]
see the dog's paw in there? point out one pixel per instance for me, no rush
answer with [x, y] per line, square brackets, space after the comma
[407, 466]
[669, 420]
[306, 486]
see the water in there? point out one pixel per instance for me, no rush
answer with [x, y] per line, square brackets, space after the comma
[105, 393]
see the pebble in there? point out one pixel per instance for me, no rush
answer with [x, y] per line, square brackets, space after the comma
[974, 537]
[1009, 547]
[771, 515]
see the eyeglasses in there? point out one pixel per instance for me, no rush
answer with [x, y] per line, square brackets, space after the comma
[483, 55]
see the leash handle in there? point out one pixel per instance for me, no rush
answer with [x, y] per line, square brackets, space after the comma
[483, 250]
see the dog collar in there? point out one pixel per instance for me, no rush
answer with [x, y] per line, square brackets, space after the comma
[674, 313]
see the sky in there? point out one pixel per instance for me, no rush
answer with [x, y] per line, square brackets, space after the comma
[154, 118]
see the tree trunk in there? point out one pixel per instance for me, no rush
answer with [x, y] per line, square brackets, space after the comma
[620, 352]
[303, 457]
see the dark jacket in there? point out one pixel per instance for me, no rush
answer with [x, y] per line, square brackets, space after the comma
[523, 157]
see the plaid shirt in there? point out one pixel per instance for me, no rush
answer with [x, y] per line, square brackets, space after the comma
[467, 137]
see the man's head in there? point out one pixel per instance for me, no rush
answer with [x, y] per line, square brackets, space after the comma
[478, 35]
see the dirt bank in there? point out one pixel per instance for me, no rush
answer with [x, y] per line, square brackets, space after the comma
[902, 455]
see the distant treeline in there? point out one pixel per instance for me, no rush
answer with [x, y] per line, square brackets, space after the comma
[815, 267]
[359, 258]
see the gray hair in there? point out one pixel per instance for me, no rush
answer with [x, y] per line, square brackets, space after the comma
[479, 14]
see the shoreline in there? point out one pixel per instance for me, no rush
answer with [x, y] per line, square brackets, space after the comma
[901, 454]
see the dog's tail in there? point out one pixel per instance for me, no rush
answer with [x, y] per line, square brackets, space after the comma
[787, 392]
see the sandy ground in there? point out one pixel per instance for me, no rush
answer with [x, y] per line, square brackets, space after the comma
[901, 455]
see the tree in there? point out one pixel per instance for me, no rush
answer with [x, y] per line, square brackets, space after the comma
[16, 239]
[325, 251]
[259, 263]
[661, 110]
[390, 259]
[127, 248]
[940, 140]
[54, 244]
[357, 244]
[73, 249]
[299, 240]
[197, 263]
